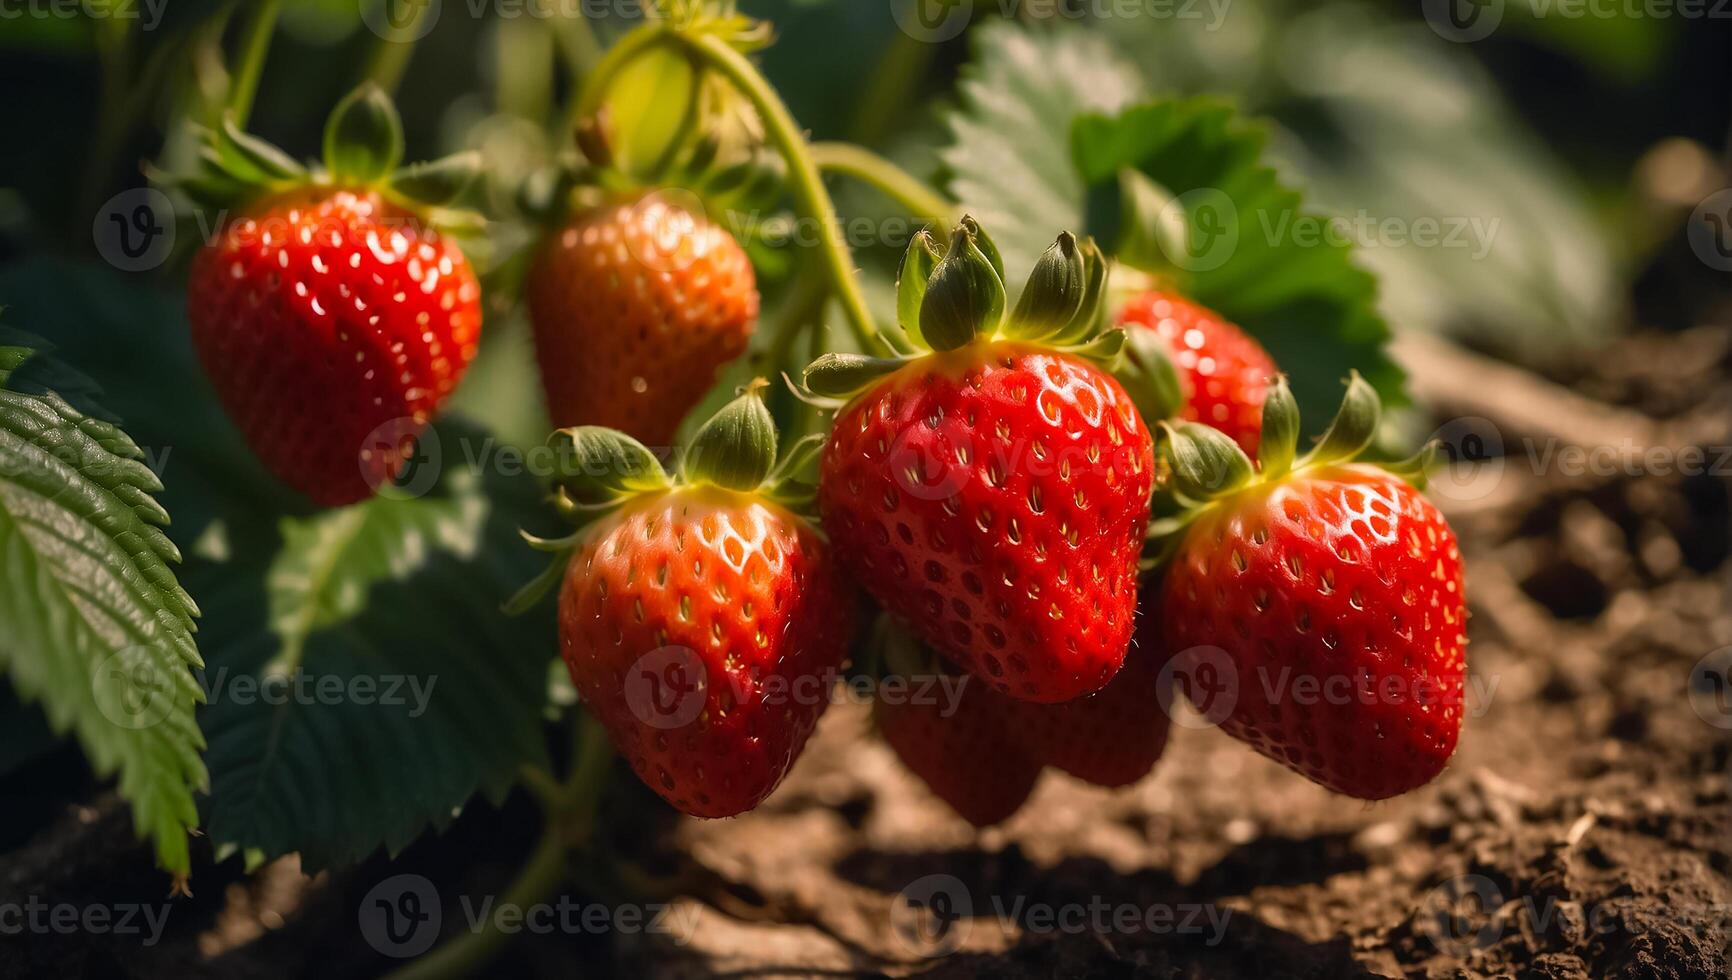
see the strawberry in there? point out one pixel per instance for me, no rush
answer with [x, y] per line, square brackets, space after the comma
[1335, 591]
[1222, 372]
[993, 491]
[322, 316]
[1111, 738]
[636, 305]
[964, 748]
[702, 621]
[331, 316]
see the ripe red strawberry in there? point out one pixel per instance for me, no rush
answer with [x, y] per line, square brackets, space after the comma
[1222, 370]
[702, 622]
[332, 325]
[994, 494]
[965, 752]
[1336, 592]
[1110, 738]
[331, 315]
[636, 306]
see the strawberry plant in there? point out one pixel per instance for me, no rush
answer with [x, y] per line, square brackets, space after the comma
[1043, 461]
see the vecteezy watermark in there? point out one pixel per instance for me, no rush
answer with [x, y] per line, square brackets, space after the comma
[1209, 681]
[35, 916]
[136, 687]
[1471, 459]
[133, 230]
[147, 13]
[936, 914]
[401, 458]
[1470, 912]
[568, 917]
[937, 21]
[1203, 228]
[401, 917]
[1213, 685]
[668, 688]
[401, 21]
[1466, 21]
[1710, 229]
[407, 21]
[1208, 229]
[1711, 688]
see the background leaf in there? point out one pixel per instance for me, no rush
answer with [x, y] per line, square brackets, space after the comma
[1043, 128]
[1381, 121]
[1009, 159]
[392, 609]
[96, 627]
[1303, 298]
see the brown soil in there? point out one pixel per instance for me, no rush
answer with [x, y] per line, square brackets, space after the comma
[1583, 829]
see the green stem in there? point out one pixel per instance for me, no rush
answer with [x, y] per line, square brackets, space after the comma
[570, 813]
[113, 40]
[255, 44]
[892, 181]
[811, 198]
[390, 56]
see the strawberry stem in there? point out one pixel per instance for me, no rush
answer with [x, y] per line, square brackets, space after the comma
[921, 201]
[390, 57]
[569, 812]
[255, 44]
[811, 198]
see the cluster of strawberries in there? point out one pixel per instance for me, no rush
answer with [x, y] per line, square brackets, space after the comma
[1072, 544]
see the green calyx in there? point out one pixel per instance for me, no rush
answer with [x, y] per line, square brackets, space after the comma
[599, 470]
[363, 137]
[363, 149]
[1200, 465]
[1150, 377]
[735, 449]
[948, 298]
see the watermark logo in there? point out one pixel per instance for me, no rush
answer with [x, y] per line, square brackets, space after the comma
[1209, 681]
[1711, 688]
[667, 687]
[1471, 455]
[667, 229]
[1206, 229]
[400, 21]
[400, 916]
[401, 459]
[34, 916]
[931, 917]
[932, 21]
[923, 463]
[1461, 915]
[134, 230]
[1463, 21]
[1710, 230]
[131, 690]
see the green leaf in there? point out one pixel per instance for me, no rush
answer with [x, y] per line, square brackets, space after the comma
[440, 181]
[1387, 127]
[401, 688]
[1029, 93]
[1009, 159]
[98, 630]
[391, 588]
